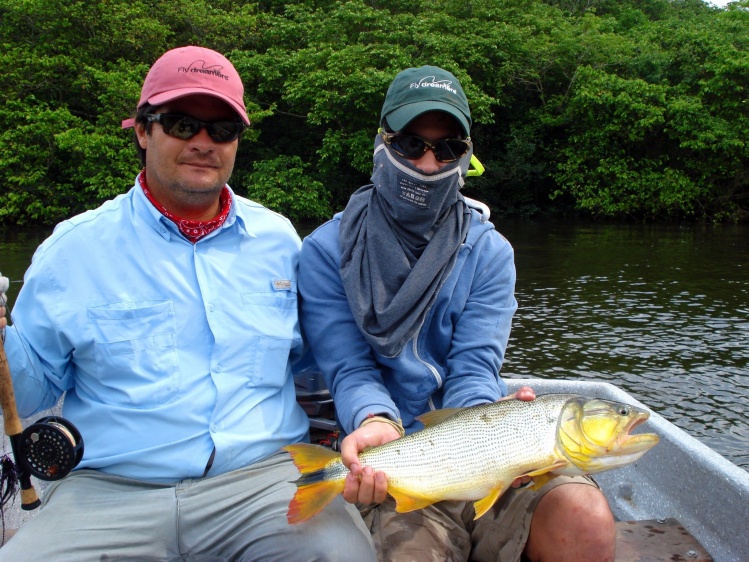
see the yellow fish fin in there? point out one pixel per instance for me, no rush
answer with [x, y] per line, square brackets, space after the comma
[308, 458]
[405, 502]
[542, 475]
[313, 492]
[540, 480]
[311, 499]
[436, 416]
[543, 470]
[484, 504]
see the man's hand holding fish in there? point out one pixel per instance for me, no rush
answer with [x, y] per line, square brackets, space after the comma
[367, 486]
[407, 299]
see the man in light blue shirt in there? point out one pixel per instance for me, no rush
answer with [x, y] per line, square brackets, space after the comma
[168, 317]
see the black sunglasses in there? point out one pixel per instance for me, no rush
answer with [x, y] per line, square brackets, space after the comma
[185, 128]
[413, 147]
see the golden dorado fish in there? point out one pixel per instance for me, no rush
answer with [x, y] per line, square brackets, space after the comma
[476, 453]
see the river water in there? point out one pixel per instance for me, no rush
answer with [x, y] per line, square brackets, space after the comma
[659, 310]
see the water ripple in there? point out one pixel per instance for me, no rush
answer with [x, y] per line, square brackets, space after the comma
[664, 315]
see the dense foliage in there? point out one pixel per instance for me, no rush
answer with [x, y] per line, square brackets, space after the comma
[618, 108]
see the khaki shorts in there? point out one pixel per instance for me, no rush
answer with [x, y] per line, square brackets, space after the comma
[446, 531]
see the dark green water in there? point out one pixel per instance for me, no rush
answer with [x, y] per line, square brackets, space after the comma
[661, 311]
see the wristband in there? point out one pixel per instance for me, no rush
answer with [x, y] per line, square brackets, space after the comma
[382, 419]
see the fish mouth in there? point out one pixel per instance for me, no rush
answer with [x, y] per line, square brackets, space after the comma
[636, 443]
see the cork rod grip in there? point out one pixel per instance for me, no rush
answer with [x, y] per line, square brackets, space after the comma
[13, 429]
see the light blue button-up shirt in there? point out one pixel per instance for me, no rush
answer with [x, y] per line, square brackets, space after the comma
[165, 349]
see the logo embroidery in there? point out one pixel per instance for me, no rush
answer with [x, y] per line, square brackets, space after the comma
[282, 285]
[202, 68]
[444, 84]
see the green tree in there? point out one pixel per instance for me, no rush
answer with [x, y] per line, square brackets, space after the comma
[616, 108]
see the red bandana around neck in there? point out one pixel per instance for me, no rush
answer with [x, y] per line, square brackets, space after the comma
[193, 230]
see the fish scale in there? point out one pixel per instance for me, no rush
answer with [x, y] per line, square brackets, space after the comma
[476, 453]
[503, 443]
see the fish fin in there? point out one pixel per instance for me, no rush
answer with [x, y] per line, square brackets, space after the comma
[540, 480]
[405, 502]
[311, 499]
[308, 458]
[313, 492]
[484, 504]
[436, 416]
[541, 476]
[543, 470]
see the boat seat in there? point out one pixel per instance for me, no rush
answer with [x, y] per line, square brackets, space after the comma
[656, 540]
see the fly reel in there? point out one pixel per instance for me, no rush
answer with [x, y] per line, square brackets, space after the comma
[50, 448]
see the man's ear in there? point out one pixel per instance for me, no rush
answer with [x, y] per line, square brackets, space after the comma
[142, 135]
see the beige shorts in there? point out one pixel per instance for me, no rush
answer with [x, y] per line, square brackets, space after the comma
[447, 532]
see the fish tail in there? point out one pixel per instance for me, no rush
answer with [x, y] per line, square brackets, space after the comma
[314, 489]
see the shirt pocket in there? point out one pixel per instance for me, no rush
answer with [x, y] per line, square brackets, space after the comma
[276, 335]
[136, 354]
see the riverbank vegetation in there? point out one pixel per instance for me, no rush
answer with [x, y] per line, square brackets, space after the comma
[613, 108]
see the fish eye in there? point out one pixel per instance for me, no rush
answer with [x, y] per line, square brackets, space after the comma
[624, 410]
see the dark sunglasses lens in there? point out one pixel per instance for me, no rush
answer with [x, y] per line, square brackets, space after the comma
[450, 150]
[409, 146]
[184, 127]
[224, 131]
[180, 126]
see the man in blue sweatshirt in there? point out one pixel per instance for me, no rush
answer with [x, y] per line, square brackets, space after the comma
[407, 302]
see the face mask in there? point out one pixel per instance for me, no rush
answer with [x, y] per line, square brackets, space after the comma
[415, 203]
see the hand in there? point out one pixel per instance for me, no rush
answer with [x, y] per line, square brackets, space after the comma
[365, 485]
[526, 394]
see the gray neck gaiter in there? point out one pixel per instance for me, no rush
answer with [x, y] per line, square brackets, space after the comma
[400, 237]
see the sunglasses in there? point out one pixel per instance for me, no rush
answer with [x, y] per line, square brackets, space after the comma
[185, 128]
[414, 147]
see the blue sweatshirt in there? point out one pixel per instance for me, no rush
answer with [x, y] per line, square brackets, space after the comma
[454, 360]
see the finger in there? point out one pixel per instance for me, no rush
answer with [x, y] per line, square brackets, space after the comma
[525, 393]
[349, 452]
[367, 485]
[521, 482]
[351, 488]
[381, 487]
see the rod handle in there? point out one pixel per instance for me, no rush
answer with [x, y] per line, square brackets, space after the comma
[13, 429]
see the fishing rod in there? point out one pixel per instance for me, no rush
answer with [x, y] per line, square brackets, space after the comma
[14, 429]
[48, 449]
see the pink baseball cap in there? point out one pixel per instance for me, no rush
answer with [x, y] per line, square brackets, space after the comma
[185, 71]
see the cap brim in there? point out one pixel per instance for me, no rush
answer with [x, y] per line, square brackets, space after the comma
[166, 97]
[402, 116]
[160, 99]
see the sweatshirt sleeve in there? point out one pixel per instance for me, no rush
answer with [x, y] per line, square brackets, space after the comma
[340, 350]
[482, 331]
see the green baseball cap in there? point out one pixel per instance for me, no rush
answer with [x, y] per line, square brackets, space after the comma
[417, 90]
